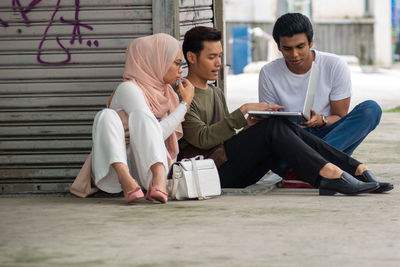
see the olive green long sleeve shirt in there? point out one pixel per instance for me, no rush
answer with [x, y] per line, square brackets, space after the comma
[198, 129]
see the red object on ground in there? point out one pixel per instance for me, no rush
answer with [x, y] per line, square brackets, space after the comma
[290, 180]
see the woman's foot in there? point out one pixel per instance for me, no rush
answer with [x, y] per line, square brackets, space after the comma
[368, 176]
[131, 188]
[158, 185]
[345, 184]
[133, 195]
[154, 194]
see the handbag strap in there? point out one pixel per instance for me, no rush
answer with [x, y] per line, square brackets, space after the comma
[175, 181]
[195, 172]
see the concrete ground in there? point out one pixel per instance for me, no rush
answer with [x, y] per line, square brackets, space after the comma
[255, 227]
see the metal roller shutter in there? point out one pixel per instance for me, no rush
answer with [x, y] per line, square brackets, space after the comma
[59, 61]
[202, 13]
[194, 13]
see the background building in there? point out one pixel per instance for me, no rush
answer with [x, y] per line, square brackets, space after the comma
[396, 29]
[362, 29]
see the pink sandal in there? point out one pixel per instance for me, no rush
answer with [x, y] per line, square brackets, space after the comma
[155, 194]
[134, 195]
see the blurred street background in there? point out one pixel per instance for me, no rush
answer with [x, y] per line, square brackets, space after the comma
[379, 84]
[366, 34]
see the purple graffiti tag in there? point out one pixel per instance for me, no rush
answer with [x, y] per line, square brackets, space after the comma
[77, 25]
[3, 23]
[23, 11]
[39, 54]
[76, 32]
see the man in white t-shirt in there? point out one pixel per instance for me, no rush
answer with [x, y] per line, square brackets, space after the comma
[284, 82]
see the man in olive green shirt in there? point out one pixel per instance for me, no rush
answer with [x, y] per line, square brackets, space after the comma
[253, 151]
[204, 67]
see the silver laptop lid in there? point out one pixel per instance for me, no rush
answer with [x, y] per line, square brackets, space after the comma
[311, 89]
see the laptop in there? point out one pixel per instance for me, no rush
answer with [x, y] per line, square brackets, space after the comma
[305, 115]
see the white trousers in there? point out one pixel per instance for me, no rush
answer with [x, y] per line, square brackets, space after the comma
[145, 149]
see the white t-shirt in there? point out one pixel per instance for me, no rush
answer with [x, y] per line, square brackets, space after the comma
[278, 85]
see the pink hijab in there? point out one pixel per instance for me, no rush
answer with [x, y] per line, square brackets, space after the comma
[147, 61]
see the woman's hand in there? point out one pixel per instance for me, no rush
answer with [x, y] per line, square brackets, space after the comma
[259, 106]
[186, 90]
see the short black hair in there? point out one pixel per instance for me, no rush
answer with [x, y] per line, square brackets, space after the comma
[194, 38]
[290, 24]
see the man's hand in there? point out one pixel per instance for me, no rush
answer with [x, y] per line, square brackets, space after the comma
[315, 121]
[251, 121]
[260, 106]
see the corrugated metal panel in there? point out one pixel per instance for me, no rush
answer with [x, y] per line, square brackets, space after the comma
[59, 61]
[346, 37]
[194, 13]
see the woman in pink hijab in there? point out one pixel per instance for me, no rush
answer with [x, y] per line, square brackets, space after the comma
[135, 140]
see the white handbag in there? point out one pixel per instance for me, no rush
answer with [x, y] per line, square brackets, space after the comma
[195, 178]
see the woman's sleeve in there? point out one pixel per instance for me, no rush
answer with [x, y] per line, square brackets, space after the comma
[170, 123]
[129, 97]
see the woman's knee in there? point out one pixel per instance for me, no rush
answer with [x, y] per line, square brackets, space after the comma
[106, 114]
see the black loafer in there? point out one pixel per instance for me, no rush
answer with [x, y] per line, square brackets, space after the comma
[368, 176]
[346, 184]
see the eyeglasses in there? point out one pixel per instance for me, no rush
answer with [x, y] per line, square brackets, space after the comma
[178, 63]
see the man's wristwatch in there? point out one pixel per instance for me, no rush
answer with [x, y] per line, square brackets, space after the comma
[324, 121]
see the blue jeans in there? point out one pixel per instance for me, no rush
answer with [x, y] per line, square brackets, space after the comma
[348, 132]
